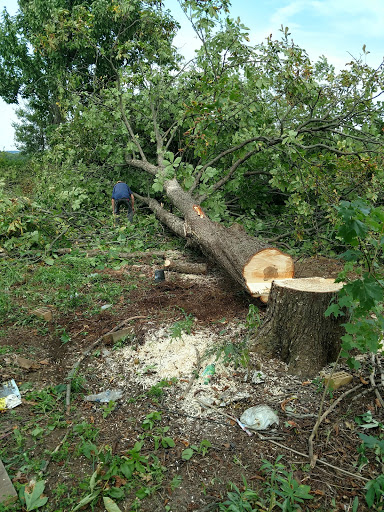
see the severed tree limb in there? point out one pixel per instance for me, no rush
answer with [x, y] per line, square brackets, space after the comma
[86, 352]
[322, 417]
[185, 267]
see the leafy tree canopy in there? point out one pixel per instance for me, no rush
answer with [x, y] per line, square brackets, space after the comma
[242, 129]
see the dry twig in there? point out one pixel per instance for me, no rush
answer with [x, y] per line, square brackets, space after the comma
[194, 374]
[372, 380]
[86, 353]
[263, 438]
[320, 461]
[322, 417]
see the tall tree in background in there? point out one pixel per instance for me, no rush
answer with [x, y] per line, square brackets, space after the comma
[226, 131]
[48, 47]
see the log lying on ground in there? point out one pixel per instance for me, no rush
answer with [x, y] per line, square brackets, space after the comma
[251, 262]
[185, 267]
[295, 328]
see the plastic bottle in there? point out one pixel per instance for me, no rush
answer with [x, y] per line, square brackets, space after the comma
[110, 395]
[208, 373]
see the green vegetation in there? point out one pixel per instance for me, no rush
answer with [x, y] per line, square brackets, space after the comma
[289, 149]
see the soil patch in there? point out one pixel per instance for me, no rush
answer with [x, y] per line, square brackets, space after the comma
[189, 323]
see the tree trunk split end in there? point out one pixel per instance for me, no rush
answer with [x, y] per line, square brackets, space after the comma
[264, 267]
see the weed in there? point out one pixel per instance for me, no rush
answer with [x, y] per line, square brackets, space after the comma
[62, 453]
[65, 337]
[182, 326]
[150, 420]
[157, 390]
[45, 401]
[282, 488]
[32, 494]
[319, 384]
[5, 349]
[253, 320]
[176, 482]
[157, 433]
[202, 449]
[375, 492]
[241, 501]
[77, 383]
[236, 354]
[86, 431]
[124, 341]
[19, 438]
[108, 408]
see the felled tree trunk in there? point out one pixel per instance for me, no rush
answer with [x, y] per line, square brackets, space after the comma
[249, 261]
[295, 328]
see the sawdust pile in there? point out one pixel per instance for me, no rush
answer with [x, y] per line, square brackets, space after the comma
[182, 360]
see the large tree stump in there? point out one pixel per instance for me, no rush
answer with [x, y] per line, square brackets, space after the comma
[295, 328]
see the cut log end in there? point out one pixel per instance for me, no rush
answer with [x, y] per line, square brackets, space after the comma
[264, 267]
[312, 284]
[304, 284]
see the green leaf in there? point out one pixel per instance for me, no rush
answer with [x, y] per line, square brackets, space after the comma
[127, 469]
[187, 454]
[188, 182]
[110, 505]
[143, 493]
[370, 494]
[34, 500]
[116, 492]
[49, 261]
[334, 310]
[168, 442]
[88, 449]
[92, 482]
[157, 186]
[88, 499]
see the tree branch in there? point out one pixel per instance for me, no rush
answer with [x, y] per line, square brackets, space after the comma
[143, 165]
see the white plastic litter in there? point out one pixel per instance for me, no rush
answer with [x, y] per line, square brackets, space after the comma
[259, 417]
[9, 395]
[106, 306]
[110, 395]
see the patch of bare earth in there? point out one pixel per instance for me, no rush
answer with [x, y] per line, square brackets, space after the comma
[219, 310]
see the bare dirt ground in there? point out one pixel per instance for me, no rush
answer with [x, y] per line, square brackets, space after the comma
[151, 354]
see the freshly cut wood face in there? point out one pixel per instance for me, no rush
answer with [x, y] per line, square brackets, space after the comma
[304, 284]
[264, 267]
[259, 289]
[312, 284]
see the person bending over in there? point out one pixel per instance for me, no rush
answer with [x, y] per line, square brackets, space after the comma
[122, 196]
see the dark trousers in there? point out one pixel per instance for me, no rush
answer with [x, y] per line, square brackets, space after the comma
[126, 203]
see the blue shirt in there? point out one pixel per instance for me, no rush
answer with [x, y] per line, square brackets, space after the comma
[121, 191]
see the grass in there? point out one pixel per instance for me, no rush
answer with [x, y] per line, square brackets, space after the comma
[70, 457]
[46, 437]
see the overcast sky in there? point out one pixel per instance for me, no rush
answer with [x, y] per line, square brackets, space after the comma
[334, 28]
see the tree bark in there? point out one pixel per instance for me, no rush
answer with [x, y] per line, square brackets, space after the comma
[295, 328]
[251, 262]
